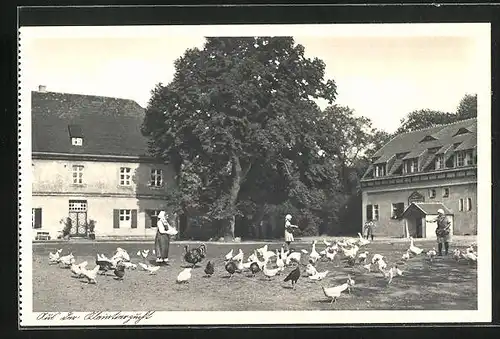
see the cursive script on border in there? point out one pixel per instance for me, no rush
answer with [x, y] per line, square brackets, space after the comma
[125, 317]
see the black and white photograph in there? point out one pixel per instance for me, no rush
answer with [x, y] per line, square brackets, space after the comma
[255, 174]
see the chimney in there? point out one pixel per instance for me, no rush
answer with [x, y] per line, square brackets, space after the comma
[42, 88]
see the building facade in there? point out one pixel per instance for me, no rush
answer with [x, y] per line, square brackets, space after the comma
[416, 173]
[90, 162]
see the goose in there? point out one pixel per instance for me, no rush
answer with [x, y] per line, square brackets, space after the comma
[294, 256]
[414, 249]
[314, 255]
[362, 241]
[229, 255]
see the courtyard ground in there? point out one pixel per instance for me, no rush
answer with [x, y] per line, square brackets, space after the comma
[440, 285]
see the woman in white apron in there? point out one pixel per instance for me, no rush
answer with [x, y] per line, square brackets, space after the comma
[162, 239]
[288, 231]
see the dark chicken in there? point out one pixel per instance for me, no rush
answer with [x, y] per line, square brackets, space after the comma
[119, 271]
[105, 265]
[209, 269]
[293, 276]
[231, 268]
[195, 255]
[254, 268]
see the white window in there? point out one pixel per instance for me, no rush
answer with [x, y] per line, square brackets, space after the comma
[460, 159]
[410, 166]
[125, 219]
[468, 205]
[469, 158]
[76, 141]
[125, 176]
[432, 193]
[461, 205]
[446, 192]
[156, 178]
[77, 174]
[440, 161]
[375, 212]
[379, 170]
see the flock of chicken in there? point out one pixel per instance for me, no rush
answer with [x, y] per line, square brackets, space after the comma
[270, 263]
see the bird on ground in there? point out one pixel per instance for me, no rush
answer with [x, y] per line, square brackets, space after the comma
[327, 244]
[239, 256]
[67, 260]
[294, 256]
[104, 264]
[293, 276]
[457, 254]
[431, 254]
[254, 268]
[319, 276]
[229, 256]
[143, 254]
[310, 270]
[231, 268]
[184, 276]
[362, 241]
[129, 265]
[471, 257]
[362, 257]
[54, 257]
[77, 269]
[209, 269]
[91, 275]
[195, 255]
[414, 249]
[406, 255]
[269, 273]
[334, 292]
[377, 257]
[149, 268]
[119, 271]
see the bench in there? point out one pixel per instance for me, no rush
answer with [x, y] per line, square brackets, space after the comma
[42, 235]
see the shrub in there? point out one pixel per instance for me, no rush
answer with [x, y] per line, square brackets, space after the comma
[66, 227]
[91, 226]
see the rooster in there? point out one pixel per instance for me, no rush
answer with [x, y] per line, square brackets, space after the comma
[195, 255]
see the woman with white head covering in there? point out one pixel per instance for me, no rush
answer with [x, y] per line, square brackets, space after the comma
[162, 239]
[443, 231]
[288, 231]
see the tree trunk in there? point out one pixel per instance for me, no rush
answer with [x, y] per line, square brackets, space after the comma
[238, 177]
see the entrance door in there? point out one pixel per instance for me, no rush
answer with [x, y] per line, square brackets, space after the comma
[78, 216]
[418, 224]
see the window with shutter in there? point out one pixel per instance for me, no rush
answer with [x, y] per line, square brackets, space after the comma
[134, 219]
[37, 218]
[116, 218]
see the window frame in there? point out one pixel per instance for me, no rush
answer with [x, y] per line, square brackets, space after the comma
[153, 178]
[432, 193]
[125, 178]
[446, 189]
[394, 209]
[77, 174]
[377, 209]
[461, 205]
[468, 204]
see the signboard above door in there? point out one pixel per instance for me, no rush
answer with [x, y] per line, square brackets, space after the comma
[415, 197]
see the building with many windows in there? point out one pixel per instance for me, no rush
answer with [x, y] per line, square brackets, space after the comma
[90, 162]
[417, 173]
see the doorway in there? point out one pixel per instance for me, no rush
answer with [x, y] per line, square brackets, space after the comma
[78, 217]
[419, 228]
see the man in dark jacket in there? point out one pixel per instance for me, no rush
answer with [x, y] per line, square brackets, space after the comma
[443, 231]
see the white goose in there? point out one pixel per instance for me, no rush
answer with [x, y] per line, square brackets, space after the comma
[294, 256]
[414, 249]
[314, 255]
[229, 255]
[362, 241]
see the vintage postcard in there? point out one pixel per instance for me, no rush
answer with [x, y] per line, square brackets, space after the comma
[255, 174]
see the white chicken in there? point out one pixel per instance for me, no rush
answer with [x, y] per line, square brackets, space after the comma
[54, 257]
[362, 241]
[294, 256]
[392, 272]
[431, 254]
[239, 256]
[149, 268]
[253, 257]
[377, 257]
[77, 270]
[67, 260]
[457, 254]
[143, 254]
[91, 275]
[382, 265]
[314, 255]
[269, 273]
[120, 255]
[350, 252]
[311, 270]
[319, 276]
[229, 255]
[406, 255]
[363, 256]
[334, 292]
[414, 249]
[331, 255]
[368, 267]
[184, 276]
[471, 257]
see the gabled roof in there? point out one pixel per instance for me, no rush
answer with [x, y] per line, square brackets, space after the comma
[427, 208]
[109, 126]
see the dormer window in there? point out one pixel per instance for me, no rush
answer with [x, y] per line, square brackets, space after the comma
[433, 150]
[439, 162]
[76, 135]
[401, 155]
[410, 166]
[76, 141]
[462, 131]
[379, 170]
[464, 158]
[428, 138]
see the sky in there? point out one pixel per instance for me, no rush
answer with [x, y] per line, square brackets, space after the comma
[382, 74]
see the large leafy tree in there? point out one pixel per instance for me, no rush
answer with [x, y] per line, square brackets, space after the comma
[240, 126]
[424, 118]
[467, 108]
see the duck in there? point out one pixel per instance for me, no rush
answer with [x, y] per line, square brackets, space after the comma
[149, 268]
[362, 241]
[184, 276]
[414, 249]
[209, 269]
[293, 276]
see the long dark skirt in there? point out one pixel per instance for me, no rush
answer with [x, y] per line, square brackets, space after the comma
[162, 243]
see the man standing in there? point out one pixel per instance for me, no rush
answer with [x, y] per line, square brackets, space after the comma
[369, 226]
[443, 230]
